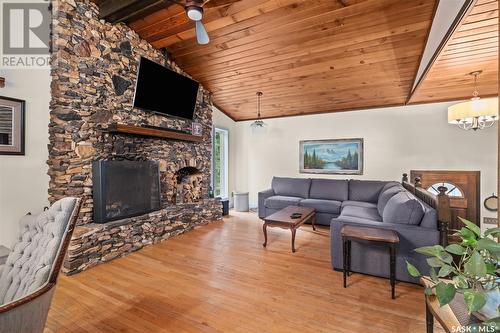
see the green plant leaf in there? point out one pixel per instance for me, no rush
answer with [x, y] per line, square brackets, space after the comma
[475, 265]
[432, 251]
[488, 244]
[412, 270]
[445, 293]
[491, 268]
[460, 282]
[466, 234]
[428, 291]
[455, 249]
[433, 275]
[446, 270]
[471, 226]
[446, 257]
[435, 262]
[492, 232]
[474, 300]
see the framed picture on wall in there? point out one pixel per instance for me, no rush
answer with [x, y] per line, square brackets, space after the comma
[11, 126]
[336, 156]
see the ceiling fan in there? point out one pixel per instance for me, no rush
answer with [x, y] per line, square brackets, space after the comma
[194, 11]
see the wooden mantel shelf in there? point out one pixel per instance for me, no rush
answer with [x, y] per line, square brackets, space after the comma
[153, 132]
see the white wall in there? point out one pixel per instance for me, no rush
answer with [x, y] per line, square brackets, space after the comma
[396, 140]
[220, 120]
[23, 179]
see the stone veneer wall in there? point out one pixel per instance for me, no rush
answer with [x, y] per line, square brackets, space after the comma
[94, 66]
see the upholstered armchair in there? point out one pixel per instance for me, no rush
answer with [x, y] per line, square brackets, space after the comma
[28, 278]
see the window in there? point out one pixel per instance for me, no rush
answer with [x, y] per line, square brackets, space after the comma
[220, 163]
[453, 190]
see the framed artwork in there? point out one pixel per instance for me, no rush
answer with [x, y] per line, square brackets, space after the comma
[336, 156]
[196, 129]
[11, 126]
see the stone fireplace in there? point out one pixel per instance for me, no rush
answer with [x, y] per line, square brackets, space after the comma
[93, 79]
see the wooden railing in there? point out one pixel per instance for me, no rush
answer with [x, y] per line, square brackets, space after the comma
[440, 202]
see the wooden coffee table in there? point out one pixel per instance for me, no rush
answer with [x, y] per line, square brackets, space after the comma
[282, 219]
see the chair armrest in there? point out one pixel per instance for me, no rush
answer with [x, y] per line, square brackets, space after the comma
[262, 196]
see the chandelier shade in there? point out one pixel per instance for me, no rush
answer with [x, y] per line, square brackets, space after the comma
[474, 114]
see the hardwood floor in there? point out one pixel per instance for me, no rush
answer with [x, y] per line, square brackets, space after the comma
[219, 278]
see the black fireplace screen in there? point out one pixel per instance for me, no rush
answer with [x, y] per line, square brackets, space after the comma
[124, 189]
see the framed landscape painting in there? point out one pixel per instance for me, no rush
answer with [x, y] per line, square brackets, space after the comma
[337, 156]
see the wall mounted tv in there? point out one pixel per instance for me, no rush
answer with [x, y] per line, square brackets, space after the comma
[161, 90]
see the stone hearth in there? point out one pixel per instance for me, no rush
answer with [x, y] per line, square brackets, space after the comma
[93, 79]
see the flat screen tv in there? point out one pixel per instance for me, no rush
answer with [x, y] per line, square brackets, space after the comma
[161, 90]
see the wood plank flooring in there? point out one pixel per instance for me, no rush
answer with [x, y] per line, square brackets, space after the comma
[219, 278]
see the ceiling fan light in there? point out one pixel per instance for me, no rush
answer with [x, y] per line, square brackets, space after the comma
[194, 13]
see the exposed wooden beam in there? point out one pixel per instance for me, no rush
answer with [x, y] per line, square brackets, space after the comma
[466, 8]
[116, 11]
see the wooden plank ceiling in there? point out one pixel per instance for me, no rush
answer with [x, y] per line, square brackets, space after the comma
[473, 46]
[306, 56]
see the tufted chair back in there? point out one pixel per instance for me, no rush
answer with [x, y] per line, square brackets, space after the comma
[37, 256]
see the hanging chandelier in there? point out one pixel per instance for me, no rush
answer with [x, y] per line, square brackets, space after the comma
[476, 113]
[258, 124]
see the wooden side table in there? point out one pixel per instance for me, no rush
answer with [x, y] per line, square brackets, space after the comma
[366, 234]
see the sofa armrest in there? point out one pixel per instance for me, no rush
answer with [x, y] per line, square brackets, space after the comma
[410, 236]
[262, 196]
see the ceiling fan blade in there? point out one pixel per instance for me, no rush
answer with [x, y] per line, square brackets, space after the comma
[218, 3]
[201, 33]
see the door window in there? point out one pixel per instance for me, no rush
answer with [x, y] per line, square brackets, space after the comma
[453, 190]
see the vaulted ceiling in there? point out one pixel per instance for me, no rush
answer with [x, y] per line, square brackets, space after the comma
[313, 56]
[473, 46]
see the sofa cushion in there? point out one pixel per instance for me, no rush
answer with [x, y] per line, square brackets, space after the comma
[329, 189]
[388, 185]
[280, 202]
[358, 204]
[385, 195]
[430, 218]
[403, 208]
[322, 206]
[361, 212]
[365, 190]
[291, 187]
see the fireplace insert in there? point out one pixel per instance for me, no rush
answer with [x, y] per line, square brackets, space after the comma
[123, 189]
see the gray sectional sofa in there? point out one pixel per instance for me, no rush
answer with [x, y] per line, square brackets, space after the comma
[378, 204]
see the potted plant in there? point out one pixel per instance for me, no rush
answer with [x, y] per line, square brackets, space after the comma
[473, 272]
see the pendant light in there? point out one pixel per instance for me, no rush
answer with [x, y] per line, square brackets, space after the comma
[258, 125]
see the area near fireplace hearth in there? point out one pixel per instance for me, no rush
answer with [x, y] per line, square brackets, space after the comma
[93, 88]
